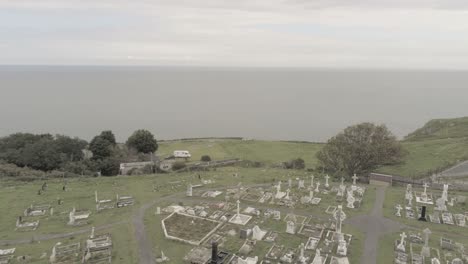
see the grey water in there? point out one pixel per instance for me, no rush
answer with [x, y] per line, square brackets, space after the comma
[183, 102]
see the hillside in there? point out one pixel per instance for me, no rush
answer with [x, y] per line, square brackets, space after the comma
[427, 156]
[424, 156]
[441, 129]
[268, 152]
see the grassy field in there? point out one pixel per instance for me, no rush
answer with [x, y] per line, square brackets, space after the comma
[424, 156]
[268, 152]
[429, 155]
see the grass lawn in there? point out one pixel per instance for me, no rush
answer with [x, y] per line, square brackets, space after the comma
[268, 152]
[429, 155]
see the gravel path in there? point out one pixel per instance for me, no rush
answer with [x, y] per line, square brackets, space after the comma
[145, 250]
[374, 226]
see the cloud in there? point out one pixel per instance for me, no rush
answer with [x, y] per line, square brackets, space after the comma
[401, 34]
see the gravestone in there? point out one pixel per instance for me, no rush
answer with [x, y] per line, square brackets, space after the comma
[423, 214]
[291, 227]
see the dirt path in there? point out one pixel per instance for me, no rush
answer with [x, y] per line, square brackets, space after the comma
[145, 250]
[374, 226]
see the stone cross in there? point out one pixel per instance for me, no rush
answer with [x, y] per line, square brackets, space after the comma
[354, 179]
[278, 187]
[238, 207]
[399, 208]
[425, 188]
[410, 199]
[403, 236]
[287, 194]
[317, 188]
[326, 181]
[340, 216]
[426, 232]
[312, 181]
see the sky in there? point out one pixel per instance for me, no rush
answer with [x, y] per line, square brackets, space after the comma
[402, 34]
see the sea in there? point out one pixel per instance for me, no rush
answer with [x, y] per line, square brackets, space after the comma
[254, 103]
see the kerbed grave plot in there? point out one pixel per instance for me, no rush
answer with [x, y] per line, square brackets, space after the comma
[188, 228]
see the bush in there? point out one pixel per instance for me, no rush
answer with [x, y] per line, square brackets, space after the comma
[178, 165]
[205, 158]
[296, 164]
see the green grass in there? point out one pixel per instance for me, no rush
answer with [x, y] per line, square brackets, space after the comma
[427, 156]
[424, 156]
[268, 152]
[441, 129]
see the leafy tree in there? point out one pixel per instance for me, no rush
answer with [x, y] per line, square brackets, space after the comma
[71, 149]
[109, 166]
[143, 141]
[12, 146]
[359, 149]
[109, 136]
[42, 155]
[101, 148]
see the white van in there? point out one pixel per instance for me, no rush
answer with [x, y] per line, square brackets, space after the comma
[182, 154]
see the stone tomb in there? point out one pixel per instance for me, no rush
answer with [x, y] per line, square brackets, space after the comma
[103, 204]
[37, 210]
[6, 255]
[98, 249]
[238, 218]
[124, 201]
[78, 217]
[65, 253]
[26, 224]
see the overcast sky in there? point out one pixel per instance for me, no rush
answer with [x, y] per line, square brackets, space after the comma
[288, 33]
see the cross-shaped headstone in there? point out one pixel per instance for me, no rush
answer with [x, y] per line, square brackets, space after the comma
[326, 181]
[425, 187]
[354, 179]
[403, 236]
[238, 207]
[312, 181]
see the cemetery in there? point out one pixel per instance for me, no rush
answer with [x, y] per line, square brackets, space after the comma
[245, 215]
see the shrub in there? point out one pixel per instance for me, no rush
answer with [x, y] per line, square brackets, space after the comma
[205, 158]
[178, 165]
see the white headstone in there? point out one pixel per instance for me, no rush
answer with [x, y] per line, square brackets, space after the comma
[317, 188]
[354, 179]
[399, 208]
[300, 184]
[189, 190]
[401, 245]
[291, 227]
[327, 185]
